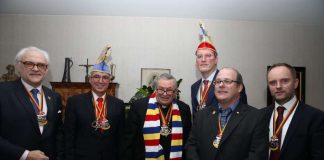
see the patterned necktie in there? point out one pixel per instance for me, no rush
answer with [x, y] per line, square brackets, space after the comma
[274, 155]
[224, 116]
[205, 86]
[34, 93]
[100, 100]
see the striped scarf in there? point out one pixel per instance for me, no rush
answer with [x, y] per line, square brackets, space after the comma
[151, 132]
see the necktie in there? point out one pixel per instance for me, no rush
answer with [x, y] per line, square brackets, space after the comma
[34, 93]
[224, 116]
[100, 102]
[274, 155]
[205, 86]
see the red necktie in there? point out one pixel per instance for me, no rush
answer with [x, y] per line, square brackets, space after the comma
[274, 155]
[100, 102]
[205, 86]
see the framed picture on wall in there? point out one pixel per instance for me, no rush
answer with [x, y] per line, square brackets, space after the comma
[300, 90]
[148, 75]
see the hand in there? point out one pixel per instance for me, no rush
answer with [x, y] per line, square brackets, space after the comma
[36, 155]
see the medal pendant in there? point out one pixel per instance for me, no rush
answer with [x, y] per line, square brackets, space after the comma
[216, 142]
[104, 124]
[95, 125]
[165, 131]
[274, 143]
[41, 118]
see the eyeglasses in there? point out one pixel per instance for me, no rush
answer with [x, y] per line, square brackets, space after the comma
[97, 78]
[162, 91]
[31, 65]
[225, 82]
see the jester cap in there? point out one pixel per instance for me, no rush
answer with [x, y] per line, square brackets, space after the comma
[103, 61]
[205, 40]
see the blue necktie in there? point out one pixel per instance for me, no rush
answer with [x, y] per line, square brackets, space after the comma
[34, 93]
[224, 116]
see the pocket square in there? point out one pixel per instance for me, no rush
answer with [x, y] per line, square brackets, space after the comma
[59, 111]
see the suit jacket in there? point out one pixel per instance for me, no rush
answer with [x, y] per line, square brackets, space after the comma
[19, 130]
[133, 144]
[211, 98]
[82, 141]
[244, 137]
[304, 139]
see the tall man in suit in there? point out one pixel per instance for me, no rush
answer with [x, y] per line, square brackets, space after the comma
[296, 129]
[94, 121]
[30, 114]
[234, 131]
[157, 127]
[202, 91]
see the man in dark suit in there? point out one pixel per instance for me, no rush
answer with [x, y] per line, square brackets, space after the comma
[202, 91]
[94, 121]
[157, 127]
[234, 131]
[30, 123]
[296, 129]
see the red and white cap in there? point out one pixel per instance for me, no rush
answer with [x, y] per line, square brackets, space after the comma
[205, 40]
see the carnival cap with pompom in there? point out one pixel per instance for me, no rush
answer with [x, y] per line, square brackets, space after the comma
[103, 61]
[205, 40]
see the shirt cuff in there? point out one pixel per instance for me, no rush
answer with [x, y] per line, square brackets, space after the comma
[24, 156]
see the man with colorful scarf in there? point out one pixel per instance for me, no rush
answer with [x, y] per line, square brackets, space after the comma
[157, 126]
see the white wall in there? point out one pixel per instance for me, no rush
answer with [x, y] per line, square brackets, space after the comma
[139, 42]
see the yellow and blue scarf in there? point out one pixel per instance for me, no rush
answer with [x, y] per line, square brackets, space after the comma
[151, 132]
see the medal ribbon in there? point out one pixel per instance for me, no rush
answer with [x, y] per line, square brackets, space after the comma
[166, 120]
[276, 131]
[40, 106]
[220, 129]
[203, 94]
[100, 111]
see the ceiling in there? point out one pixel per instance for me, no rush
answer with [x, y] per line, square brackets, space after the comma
[288, 11]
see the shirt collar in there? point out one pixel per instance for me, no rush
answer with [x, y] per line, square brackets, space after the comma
[29, 87]
[288, 104]
[210, 77]
[95, 96]
[231, 107]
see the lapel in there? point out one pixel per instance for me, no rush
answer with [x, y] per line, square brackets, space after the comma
[25, 102]
[50, 108]
[211, 94]
[294, 124]
[236, 117]
[211, 132]
[194, 94]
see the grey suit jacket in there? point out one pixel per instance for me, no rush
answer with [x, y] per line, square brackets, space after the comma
[245, 136]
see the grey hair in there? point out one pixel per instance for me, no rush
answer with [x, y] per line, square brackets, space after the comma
[167, 76]
[23, 51]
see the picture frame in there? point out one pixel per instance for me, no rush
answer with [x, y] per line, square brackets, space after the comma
[300, 90]
[149, 74]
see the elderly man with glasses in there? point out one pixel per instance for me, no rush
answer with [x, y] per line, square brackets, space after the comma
[30, 113]
[157, 126]
[94, 121]
[233, 131]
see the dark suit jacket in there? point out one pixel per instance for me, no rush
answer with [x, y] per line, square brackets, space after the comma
[82, 141]
[19, 130]
[133, 144]
[245, 136]
[211, 98]
[304, 139]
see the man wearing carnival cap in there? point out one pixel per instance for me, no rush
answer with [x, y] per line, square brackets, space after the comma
[157, 127]
[94, 121]
[202, 91]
